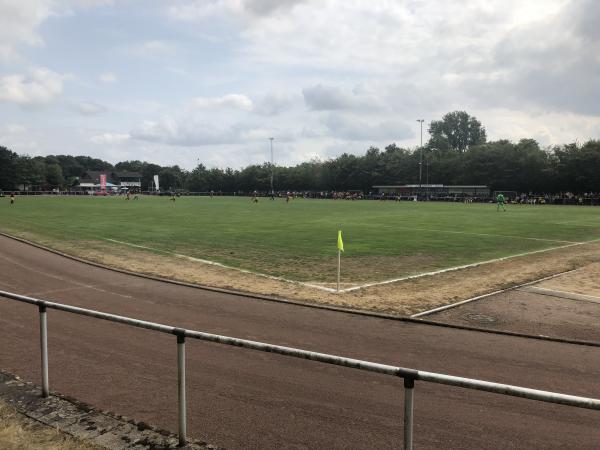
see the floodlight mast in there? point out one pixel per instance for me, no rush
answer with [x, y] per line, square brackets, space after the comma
[426, 177]
[272, 166]
[427, 158]
[421, 157]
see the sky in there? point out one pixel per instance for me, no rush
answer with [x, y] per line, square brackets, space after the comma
[210, 81]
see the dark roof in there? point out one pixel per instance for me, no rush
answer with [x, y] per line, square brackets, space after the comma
[94, 175]
[128, 174]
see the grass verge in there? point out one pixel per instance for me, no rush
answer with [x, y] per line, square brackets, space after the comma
[18, 432]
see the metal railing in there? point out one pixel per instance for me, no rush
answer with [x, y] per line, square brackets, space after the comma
[409, 375]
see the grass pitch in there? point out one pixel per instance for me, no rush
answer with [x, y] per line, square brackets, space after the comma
[297, 240]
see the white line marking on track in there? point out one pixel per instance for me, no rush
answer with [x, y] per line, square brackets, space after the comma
[479, 297]
[224, 266]
[66, 280]
[52, 291]
[9, 286]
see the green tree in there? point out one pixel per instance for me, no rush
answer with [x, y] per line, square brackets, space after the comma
[8, 166]
[130, 166]
[255, 177]
[93, 163]
[148, 171]
[171, 178]
[456, 131]
[197, 179]
[578, 167]
[54, 176]
[31, 172]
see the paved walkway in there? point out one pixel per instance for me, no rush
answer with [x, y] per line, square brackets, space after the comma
[531, 310]
[245, 399]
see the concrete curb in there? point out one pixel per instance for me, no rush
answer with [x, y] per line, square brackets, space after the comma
[79, 420]
[314, 305]
[541, 337]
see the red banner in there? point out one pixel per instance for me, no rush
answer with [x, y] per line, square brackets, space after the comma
[103, 182]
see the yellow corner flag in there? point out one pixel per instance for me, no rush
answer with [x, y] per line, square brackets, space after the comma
[340, 241]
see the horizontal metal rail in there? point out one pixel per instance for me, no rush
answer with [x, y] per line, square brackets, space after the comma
[409, 375]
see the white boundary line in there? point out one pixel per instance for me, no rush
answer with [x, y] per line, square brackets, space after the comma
[433, 230]
[465, 266]
[214, 263]
[479, 297]
[565, 294]
[436, 230]
[354, 288]
[578, 223]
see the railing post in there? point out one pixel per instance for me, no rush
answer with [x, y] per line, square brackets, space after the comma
[409, 388]
[44, 350]
[181, 388]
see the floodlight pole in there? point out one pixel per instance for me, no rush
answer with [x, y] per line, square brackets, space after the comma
[272, 166]
[427, 178]
[421, 157]
[433, 149]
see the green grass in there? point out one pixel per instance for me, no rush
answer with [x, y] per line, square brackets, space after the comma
[298, 240]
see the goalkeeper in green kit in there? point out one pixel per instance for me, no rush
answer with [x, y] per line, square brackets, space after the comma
[500, 200]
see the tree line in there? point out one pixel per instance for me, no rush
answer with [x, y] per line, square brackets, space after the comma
[457, 153]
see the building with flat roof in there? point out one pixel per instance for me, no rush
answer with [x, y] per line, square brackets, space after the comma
[90, 181]
[437, 190]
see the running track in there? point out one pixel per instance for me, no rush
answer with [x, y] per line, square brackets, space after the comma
[245, 399]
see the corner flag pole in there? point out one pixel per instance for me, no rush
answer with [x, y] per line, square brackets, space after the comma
[340, 246]
[339, 268]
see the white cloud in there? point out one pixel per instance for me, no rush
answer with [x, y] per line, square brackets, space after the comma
[329, 74]
[93, 3]
[12, 128]
[19, 21]
[39, 87]
[327, 98]
[323, 98]
[89, 108]
[190, 11]
[190, 131]
[266, 7]
[17, 138]
[548, 128]
[233, 101]
[350, 128]
[177, 71]
[109, 138]
[551, 64]
[274, 104]
[152, 49]
[184, 133]
[187, 10]
[108, 77]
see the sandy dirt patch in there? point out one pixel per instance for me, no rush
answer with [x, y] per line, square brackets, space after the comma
[584, 281]
[402, 298]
